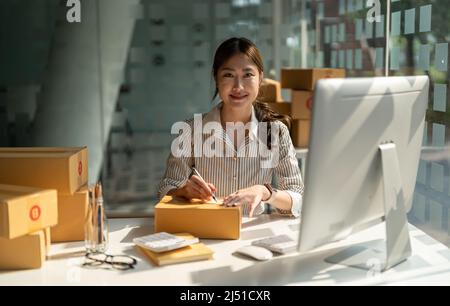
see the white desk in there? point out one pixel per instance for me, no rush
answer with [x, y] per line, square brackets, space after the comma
[430, 263]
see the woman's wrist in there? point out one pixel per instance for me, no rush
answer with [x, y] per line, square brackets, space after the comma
[178, 192]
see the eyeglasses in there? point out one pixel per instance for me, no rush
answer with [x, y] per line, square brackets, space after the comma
[101, 260]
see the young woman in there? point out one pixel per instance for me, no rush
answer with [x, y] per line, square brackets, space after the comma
[240, 179]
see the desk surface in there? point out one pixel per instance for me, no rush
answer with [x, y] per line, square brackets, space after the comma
[301, 153]
[429, 264]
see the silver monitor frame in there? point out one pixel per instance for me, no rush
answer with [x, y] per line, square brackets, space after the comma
[365, 143]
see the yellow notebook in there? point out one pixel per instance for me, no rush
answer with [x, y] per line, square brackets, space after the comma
[193, 252]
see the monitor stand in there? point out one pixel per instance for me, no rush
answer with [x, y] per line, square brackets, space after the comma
[381, 255]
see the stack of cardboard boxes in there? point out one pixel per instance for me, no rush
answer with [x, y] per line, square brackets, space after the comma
[302, 83]
[26, 214]
[58, 177]
[270, 92]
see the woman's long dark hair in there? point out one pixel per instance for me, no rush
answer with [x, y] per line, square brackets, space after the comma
[241, 45]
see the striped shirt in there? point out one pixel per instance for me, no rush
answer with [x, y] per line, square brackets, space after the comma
[238, 169]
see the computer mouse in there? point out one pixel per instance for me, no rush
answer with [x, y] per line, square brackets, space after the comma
[258, 253]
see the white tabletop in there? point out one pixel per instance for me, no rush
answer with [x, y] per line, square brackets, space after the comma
[301, 152]
[429, 264]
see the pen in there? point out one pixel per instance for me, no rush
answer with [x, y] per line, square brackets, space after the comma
[99, 201]
[198, 174]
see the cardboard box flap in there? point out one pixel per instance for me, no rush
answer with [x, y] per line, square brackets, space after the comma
[170, 202]
[36, 154]
[42, 149]
[7, 192]
[305, 79]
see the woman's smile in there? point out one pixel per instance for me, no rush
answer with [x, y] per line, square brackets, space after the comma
[238, 97]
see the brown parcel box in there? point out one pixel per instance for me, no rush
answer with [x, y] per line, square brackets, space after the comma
[270, 91]
[26, 252]
[25, 210]
[213, 221]
[282, 108]
[72, 212]
[302, 101]
[64, 169]
[300, 133]
[305, 79]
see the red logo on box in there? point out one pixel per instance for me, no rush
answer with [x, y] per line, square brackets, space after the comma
[35, 213]
[309, 103]
[80, 168]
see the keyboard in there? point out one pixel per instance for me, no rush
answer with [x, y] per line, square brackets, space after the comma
[163, 242]
[281, 244]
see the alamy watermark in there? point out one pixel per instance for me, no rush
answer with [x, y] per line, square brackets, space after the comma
[374, 14]
[74, 11]
[207, 140]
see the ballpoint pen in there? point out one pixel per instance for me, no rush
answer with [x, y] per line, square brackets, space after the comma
[198, 174]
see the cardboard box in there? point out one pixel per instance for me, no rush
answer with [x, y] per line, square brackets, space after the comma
[305, 79]
[24, 210]
[64, 169]
[282, 108]
[300, 133]
[211, 221]
[26, 252]
[72, 212]
[270, 91]
[301, 104]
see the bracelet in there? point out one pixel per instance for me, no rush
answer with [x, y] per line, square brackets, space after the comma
[270, 191]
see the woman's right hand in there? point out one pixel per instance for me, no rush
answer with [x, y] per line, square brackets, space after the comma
[195, 188]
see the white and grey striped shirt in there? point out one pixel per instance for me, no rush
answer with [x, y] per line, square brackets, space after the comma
[239, 170]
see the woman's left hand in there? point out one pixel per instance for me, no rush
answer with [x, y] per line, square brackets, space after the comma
[251, 196]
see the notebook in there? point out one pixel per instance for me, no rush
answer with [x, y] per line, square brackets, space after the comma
[193, 252]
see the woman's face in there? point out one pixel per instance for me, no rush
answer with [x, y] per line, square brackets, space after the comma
[238, 81]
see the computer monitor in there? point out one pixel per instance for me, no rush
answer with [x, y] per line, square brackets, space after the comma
[365, 143]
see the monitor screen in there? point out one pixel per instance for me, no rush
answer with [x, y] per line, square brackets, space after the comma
[344, 178]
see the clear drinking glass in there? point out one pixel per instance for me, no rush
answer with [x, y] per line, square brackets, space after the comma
[96, 225]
